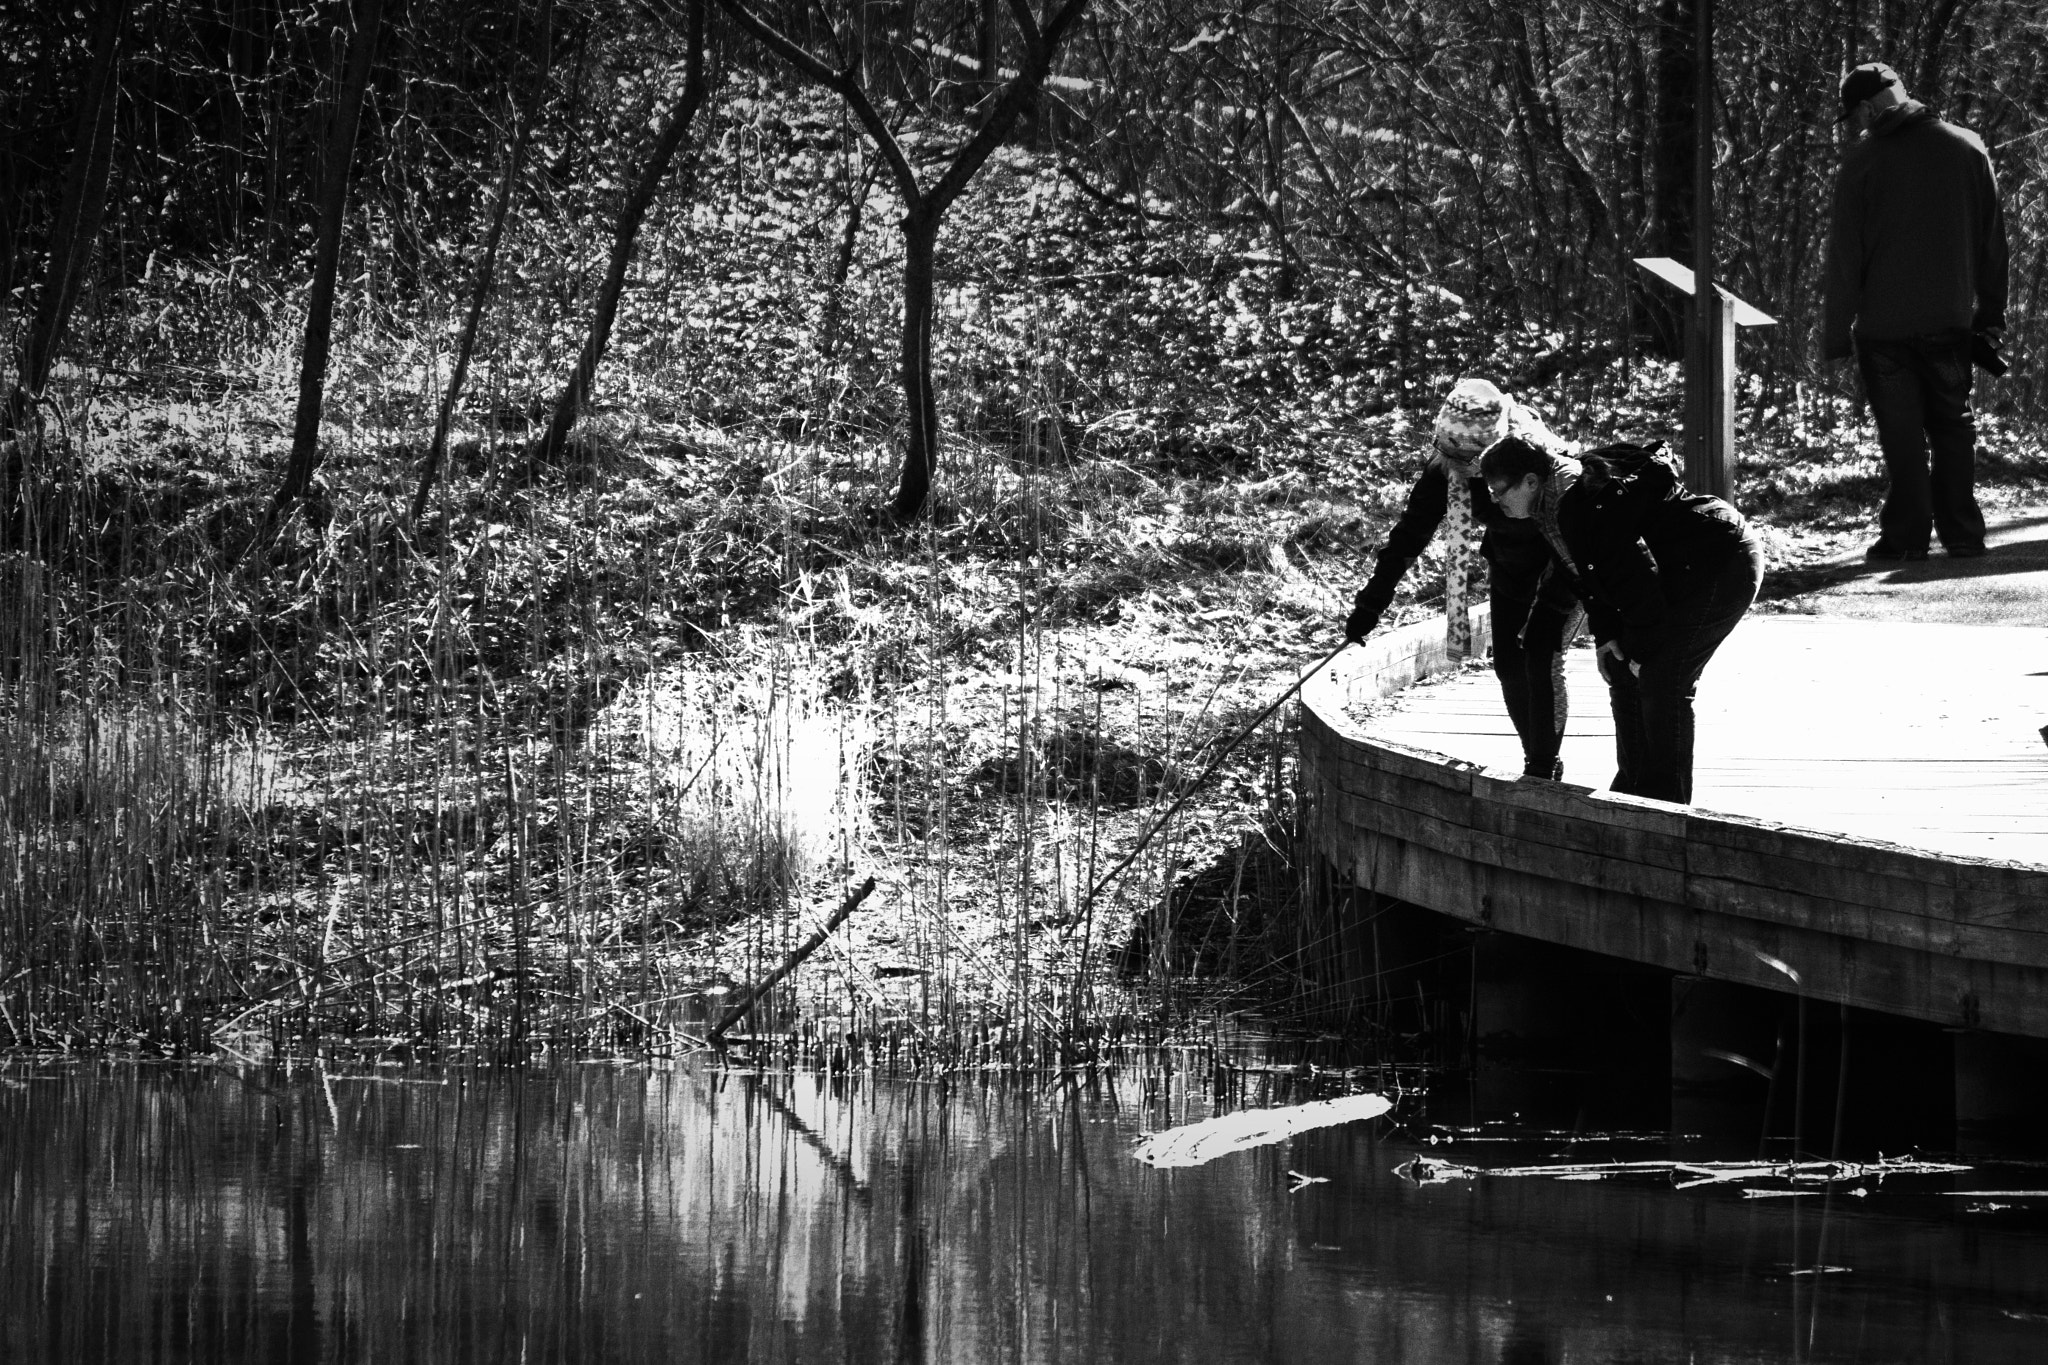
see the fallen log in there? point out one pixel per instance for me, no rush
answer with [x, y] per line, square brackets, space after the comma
[753, 993]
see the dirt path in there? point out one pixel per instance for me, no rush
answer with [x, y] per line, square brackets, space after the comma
[2008, 586]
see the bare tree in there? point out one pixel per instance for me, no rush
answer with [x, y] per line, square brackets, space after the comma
[925, 206]
[486, 275]
[576, 393]
[77, 228]
[339, 156]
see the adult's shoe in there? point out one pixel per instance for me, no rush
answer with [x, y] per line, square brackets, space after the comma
[1892, 554]
[1965, 551]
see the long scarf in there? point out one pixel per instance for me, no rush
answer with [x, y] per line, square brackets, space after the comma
[1462, 534]
[1564, 473]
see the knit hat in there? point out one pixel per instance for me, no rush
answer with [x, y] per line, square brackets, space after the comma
[1866, 82]
[1473, 417]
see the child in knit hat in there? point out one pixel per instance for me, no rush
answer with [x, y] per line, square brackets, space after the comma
[1530, 666]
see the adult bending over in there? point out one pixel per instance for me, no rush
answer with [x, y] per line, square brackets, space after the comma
[1664, 575]
[1528, 659]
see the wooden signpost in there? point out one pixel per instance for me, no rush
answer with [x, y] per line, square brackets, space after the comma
[1715, 314]
[1709, 438]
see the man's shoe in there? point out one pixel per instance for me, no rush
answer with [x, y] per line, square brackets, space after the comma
[1966, 552]
[1892, 554]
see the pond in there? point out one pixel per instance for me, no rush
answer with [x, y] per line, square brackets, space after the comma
[689, 1212]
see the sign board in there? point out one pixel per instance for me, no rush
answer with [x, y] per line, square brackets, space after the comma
[1679, 277]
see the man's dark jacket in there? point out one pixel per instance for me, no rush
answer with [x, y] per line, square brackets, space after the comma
[1636, 545]
[1916, 245]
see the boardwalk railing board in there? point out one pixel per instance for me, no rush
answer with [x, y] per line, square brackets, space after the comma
[1956, 940]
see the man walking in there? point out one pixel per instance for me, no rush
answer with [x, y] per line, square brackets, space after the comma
[1916, 273]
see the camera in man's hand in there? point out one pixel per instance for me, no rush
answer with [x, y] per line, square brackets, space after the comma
[1987, 354]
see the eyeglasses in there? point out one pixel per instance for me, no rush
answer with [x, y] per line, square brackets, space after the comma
[1497, 488]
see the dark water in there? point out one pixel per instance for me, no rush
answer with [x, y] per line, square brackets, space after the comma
[629, 1214]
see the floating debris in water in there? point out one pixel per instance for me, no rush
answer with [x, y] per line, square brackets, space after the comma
[1502, 1132]
[1424, 1170]
[1193, 1144]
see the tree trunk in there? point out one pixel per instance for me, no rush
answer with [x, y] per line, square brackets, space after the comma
[273, 162]
[1671, 162]
[576, 393]
[1278, 57]
[77, 228]
[920, 404]
[1941, 16]
[925, 210]
[1537, 98]
[842, 264]
[990, 45]
[340, 155]
[486, 275]
[7, 208]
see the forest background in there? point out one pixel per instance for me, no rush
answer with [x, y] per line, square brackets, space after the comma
[512, 508]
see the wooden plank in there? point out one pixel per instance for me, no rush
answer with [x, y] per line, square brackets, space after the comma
[1940, 935]
[1821, 867]
[1365, 814]
[1419, 767]
[1942, 988]
[1500, 837]
[1737, 835]
[1652, 833]
[1995, 893]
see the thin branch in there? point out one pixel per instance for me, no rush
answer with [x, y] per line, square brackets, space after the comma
[845, 83]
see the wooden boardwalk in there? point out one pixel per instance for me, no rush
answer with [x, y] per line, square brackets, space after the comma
[1873, 813]
[1922, 735]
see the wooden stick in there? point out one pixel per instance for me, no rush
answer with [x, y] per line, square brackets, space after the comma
[792, 962]
[1088, 903]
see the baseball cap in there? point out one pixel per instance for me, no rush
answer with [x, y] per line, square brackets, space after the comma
[1864, 82]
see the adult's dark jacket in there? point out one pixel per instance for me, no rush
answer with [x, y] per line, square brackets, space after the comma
[1916, 242]
[1636, 544]
[1512, 549]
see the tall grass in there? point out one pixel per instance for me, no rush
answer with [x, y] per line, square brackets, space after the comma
[414, 794]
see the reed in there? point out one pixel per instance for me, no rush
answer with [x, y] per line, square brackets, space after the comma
[402, 793]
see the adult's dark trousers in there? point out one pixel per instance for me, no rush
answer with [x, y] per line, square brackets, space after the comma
[1919, 392]
[1653, 715]
[1529, 639]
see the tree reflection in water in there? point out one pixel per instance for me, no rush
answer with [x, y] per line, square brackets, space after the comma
[628, 1214]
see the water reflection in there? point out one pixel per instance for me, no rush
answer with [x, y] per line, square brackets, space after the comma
[620, 1214]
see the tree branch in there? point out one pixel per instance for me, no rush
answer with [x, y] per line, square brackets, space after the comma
[752, 995]
[845, 83]
[1027, 24]
[1016, 93]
